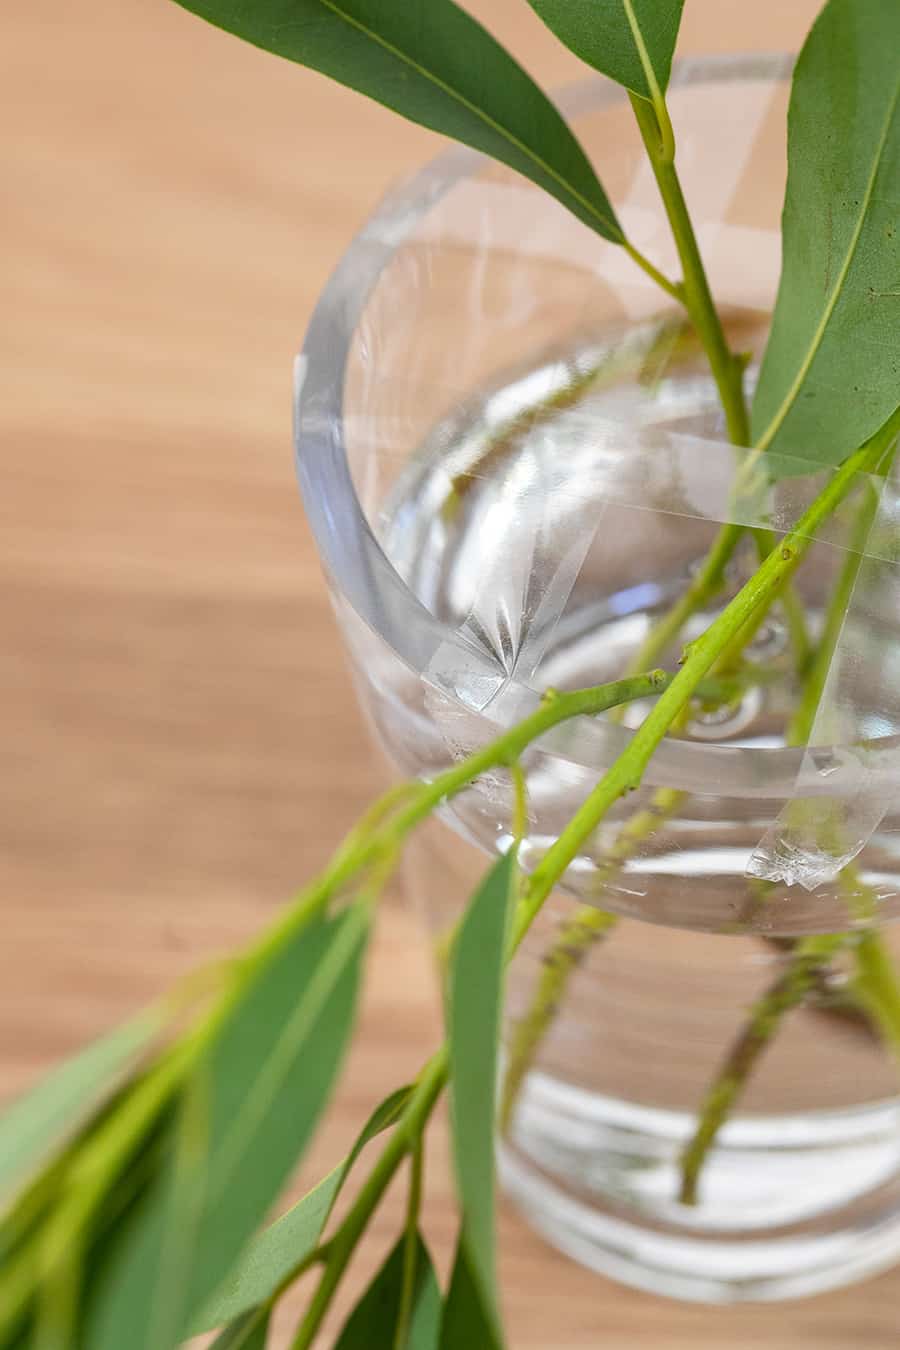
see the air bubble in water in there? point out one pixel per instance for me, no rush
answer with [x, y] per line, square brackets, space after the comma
[769, 642]
[727, 720]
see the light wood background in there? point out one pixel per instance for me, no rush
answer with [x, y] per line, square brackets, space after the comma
[178, 737]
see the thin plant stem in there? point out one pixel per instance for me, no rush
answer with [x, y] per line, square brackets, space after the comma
[702, 588]
[401, 815]
[797, 627]
[727, 368]
[788, 991]
[666, 338]
[657, 98]
[876, 987]
[520, 801]
[801, 724]
[576, 936]
[410, 1245]
[832, 996]
[671, 288]
[402, 1141]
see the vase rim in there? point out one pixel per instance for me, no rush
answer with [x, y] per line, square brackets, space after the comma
[352, 557]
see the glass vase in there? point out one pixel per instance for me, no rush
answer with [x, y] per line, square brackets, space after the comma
[513, 459]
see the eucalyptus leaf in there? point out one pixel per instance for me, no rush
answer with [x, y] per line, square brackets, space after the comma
[373, 1322]
[622, 38]
[248, 1333]
[475, 1011]
[62, 1102]
[831, 371]
[246, 1115]
[433, 63]
[467, 1319]
[280, 1248]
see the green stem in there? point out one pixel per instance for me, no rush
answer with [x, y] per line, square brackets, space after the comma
[727, 368]
[520, 801]
[410, 1246]
[579, 932]
[798, 630]
[395, 816]
[575, 938]
[657, 98]
[404, 1138]
[875, 986]
[831, 998]
[656, 343]
[703, 587]
[671, 288]
[766, 1016]
[801, 724]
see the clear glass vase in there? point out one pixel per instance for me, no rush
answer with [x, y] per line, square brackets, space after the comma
[512, 457]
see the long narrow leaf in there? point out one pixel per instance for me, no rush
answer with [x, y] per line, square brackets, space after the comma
[467, 1320]
[266, 1076]
[275, 1252]
[430, 61]
[61, 1103]
[831, 370]
[373, 1322]
[475, 1010]
[621, 38]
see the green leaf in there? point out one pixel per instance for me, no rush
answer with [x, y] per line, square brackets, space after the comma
[248, 1333]
[52, 1112]
[467, 1321]
[432, 62]
[475, 1010]
[373, 1322]
[245, 1117]
[279, 1249]
[628, 40]
[831, 370]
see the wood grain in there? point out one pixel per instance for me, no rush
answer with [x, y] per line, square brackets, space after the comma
[179, 740]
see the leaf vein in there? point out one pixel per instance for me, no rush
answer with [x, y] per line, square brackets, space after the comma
[473, 108]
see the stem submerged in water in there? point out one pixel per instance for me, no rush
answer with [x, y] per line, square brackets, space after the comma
[766, 1016]
[726, 366]
[576, 936]
[874, 989]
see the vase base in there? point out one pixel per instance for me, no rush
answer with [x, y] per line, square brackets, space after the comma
[785, 1212]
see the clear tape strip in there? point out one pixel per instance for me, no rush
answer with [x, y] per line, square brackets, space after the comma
[851, 751]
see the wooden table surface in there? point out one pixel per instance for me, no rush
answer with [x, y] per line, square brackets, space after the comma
[179, 740]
